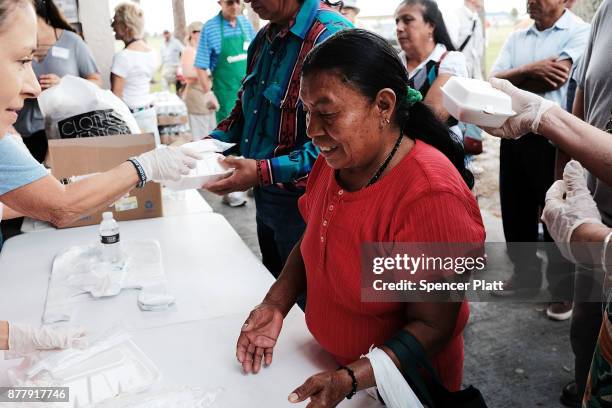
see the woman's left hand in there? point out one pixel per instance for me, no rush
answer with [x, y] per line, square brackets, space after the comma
[569, 204]
[326, 389]
[48, 80]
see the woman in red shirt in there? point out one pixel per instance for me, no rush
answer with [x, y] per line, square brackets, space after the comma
[388, 172]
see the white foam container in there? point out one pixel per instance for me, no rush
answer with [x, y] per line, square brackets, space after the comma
[121, 369]
[476, 102]
[104, 371]
[209, 145]
[208, 170]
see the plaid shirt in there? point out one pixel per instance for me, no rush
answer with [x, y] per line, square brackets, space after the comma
[268, 121]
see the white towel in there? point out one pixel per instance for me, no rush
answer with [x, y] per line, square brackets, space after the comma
[391, 385]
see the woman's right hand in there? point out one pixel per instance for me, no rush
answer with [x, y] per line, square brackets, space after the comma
[168, 163]
[529, 110]
[25, 339]
[258, 337]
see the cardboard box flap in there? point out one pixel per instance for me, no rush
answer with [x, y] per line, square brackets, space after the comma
[73, 157]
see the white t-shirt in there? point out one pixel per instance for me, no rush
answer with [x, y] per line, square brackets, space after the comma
[459, 25]
[171, 52]
[137, 69]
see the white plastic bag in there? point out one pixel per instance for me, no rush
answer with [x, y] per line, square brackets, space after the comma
[79, 108]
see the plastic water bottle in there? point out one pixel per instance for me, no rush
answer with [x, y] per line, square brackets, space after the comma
[109, 237]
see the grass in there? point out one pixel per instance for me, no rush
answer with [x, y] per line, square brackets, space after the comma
[155, 43]
[496, 37]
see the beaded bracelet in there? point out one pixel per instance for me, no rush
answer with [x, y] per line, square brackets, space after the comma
[354, 381]
[604, 250]
[142, 176]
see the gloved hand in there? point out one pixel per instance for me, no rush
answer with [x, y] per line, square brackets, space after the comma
[529, 109]
[569, 204]
[25, 339]
[168, 163]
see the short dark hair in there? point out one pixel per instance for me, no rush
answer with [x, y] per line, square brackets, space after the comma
[433, 16]
[368, 63]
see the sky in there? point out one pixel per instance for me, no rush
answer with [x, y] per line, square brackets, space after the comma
[158, 13]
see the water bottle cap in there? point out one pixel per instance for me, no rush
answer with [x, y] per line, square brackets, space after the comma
[107, 215]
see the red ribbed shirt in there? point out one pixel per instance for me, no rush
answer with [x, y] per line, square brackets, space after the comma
[422, 199]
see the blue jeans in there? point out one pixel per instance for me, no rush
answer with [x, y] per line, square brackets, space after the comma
[279, 225]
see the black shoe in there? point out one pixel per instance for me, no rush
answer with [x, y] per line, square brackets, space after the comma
[569, 396]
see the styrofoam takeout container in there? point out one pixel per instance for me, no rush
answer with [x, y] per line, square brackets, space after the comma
[124, 368]
[207, 171]
[108, 368]
[476, 102]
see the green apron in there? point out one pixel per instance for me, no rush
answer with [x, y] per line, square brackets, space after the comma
[230, 70]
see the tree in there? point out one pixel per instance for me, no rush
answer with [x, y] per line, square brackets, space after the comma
[178, 9]
[514, 13]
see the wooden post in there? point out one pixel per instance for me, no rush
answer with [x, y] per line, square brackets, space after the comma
[178, 9]
[95, 17]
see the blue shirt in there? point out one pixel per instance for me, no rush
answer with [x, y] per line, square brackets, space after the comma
[567, 38]
[17, 166]
[209, 47]
[255, 120]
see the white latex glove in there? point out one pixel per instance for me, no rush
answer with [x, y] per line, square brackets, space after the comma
[529, 109]
[25, 339]
[168, 163]
[569, 204]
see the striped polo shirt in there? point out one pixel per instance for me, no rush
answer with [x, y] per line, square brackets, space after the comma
[209, 47]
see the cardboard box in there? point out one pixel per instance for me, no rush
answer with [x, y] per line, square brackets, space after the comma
[81, 156]
[169, 120]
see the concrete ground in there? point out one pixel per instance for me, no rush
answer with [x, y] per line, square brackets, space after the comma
[514, 354]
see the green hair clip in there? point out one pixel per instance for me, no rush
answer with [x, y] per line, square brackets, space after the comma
[413, 96]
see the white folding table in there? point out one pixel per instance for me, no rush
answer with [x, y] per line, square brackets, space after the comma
[216, 280]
